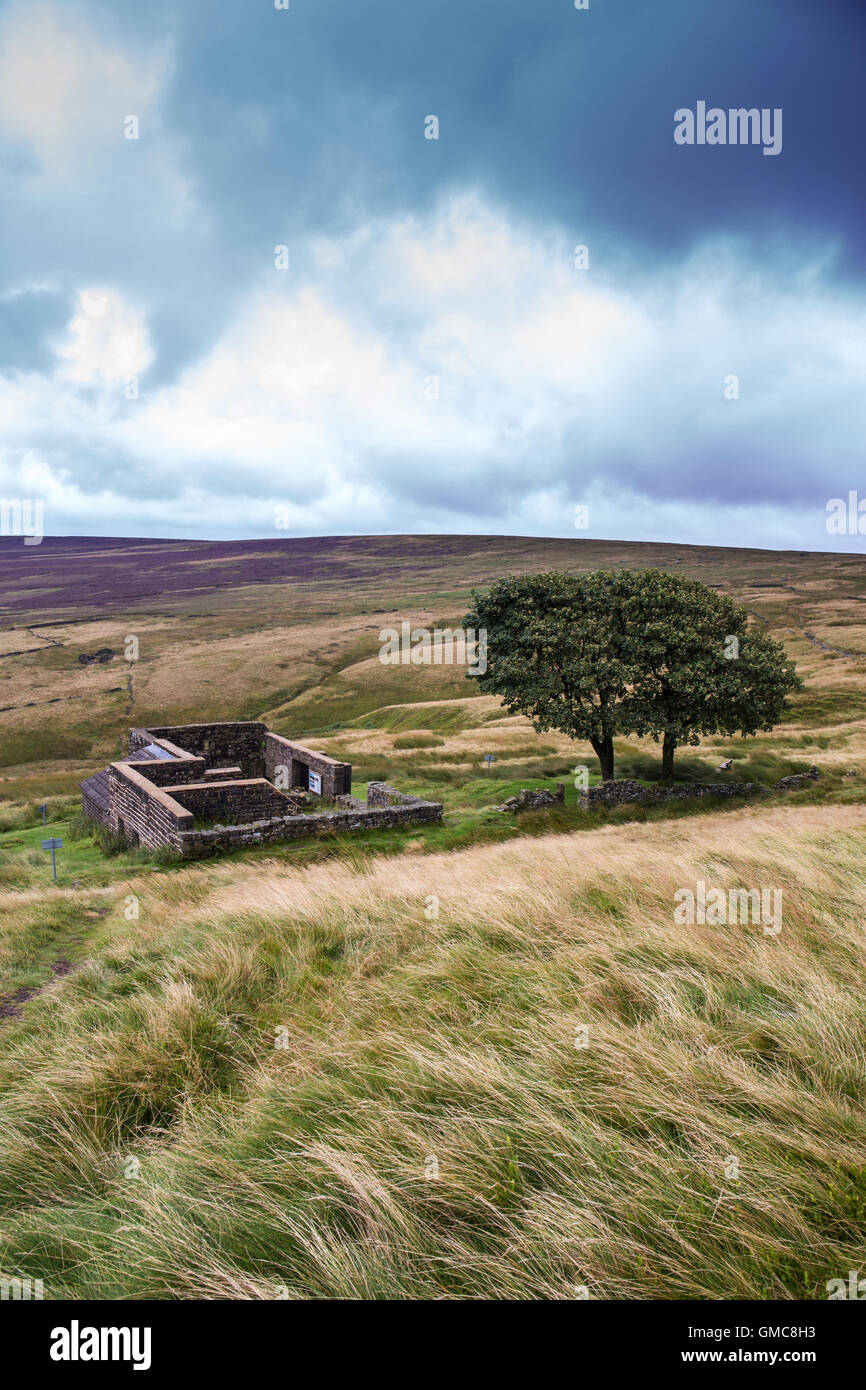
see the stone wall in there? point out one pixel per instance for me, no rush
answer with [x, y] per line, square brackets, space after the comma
[139, 738]
[221, 745]
[197, 843]
[144, 813]
[381, 794]
[535, 799]
[233, 802]
[620, 791]
[799, 779]
[300, 761]
[173, 773]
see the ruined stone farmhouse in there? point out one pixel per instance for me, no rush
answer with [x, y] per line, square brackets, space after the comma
[195, 788]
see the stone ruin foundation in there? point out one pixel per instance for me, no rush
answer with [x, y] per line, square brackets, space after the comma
[196, 788]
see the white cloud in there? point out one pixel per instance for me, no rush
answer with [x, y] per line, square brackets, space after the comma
[556, 387]
[64, 92]
[107, 341]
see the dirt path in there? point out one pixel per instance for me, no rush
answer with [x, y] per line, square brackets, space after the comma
[12, 1006]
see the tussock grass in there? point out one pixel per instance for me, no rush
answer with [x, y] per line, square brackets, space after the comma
[411, 1040]
[416, 1045]
[37, 744]
[450, 716]
[17, 815]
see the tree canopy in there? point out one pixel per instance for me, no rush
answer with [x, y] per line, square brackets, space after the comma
[556, 651]
[697, 668]
[619, 652]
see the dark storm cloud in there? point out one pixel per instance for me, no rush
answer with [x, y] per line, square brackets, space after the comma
[300, 115]
[262, 127]
[291, 123]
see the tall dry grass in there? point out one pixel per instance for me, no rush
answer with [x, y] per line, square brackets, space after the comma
[430, 1129]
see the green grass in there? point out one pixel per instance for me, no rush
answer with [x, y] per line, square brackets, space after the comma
[449, 1035]
[827, 705]
[86, 855]
[450, 717]
[156, 1144]
[38, 745]
[53, 932]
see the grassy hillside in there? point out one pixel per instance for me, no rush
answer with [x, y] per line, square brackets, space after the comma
[156, 1143]
[287, 631]
[428, 984]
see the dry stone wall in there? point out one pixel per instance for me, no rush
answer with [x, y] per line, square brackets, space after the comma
[140, 738]
[799, 779]
[197, 843]
[381, 794]
[173, 773]
[619, 791]
[535, 799]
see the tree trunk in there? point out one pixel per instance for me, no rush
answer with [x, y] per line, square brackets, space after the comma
[603, 749]
[669, 745]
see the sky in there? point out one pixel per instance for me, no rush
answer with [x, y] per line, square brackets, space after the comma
[244, 293]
